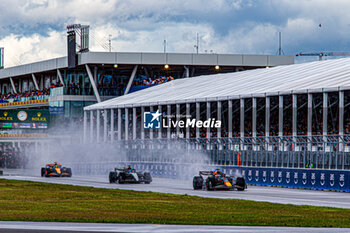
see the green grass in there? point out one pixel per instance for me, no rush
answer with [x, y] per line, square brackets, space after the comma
[34, 201]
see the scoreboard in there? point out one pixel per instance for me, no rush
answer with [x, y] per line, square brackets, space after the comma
[24, 119]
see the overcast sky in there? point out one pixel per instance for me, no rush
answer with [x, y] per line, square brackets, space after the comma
[36, 30]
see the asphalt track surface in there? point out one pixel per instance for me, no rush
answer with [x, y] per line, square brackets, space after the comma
[31, 227]
[256, 193]
[163, 185]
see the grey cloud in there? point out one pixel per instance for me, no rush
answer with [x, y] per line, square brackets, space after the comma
[226, 26]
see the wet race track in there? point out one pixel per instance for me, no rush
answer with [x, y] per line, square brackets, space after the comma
[41, 227]
[174, 186]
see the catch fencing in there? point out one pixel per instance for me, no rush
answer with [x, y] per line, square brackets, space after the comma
[318, 152]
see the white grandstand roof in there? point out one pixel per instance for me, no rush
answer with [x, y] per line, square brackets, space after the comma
[320, 76]
[121, 58]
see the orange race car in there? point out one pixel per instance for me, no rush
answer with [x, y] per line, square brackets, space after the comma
[56, 170]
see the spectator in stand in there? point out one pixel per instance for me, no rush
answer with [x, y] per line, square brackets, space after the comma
[27, 94]
[73, 88]
[149, 81]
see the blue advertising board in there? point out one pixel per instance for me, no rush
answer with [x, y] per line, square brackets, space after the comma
[284, 177]
[295, 178]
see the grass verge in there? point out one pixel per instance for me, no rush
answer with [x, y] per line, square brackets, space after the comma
[34, 201]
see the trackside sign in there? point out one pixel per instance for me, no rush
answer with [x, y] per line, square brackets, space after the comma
[156, 120]
[24, 116]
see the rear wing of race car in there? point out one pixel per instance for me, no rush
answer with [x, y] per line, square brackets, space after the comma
[52, 165]
[124, 169]
[120, 169]
[205, 173]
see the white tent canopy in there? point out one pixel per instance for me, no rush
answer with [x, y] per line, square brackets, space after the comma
[320, 76]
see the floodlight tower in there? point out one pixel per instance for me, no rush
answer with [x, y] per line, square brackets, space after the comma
[197, 45]
[280, 50]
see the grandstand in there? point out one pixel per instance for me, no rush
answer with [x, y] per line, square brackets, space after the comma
[292, 116]
[98, 76]
[59, 91]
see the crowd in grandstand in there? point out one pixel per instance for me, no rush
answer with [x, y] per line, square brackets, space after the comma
[26, 95]
[74, 89]
[144, 81]
[106, 86]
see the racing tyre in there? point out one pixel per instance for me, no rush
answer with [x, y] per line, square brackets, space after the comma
[240, 183]
[69, 171]
[148, 177]
[121, 179]
[197, 182]
[42, 171]
[112, 177]
[210, 185]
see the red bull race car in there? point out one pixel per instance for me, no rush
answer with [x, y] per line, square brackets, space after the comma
[129, 175]
[56, 170]
[216, 180]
